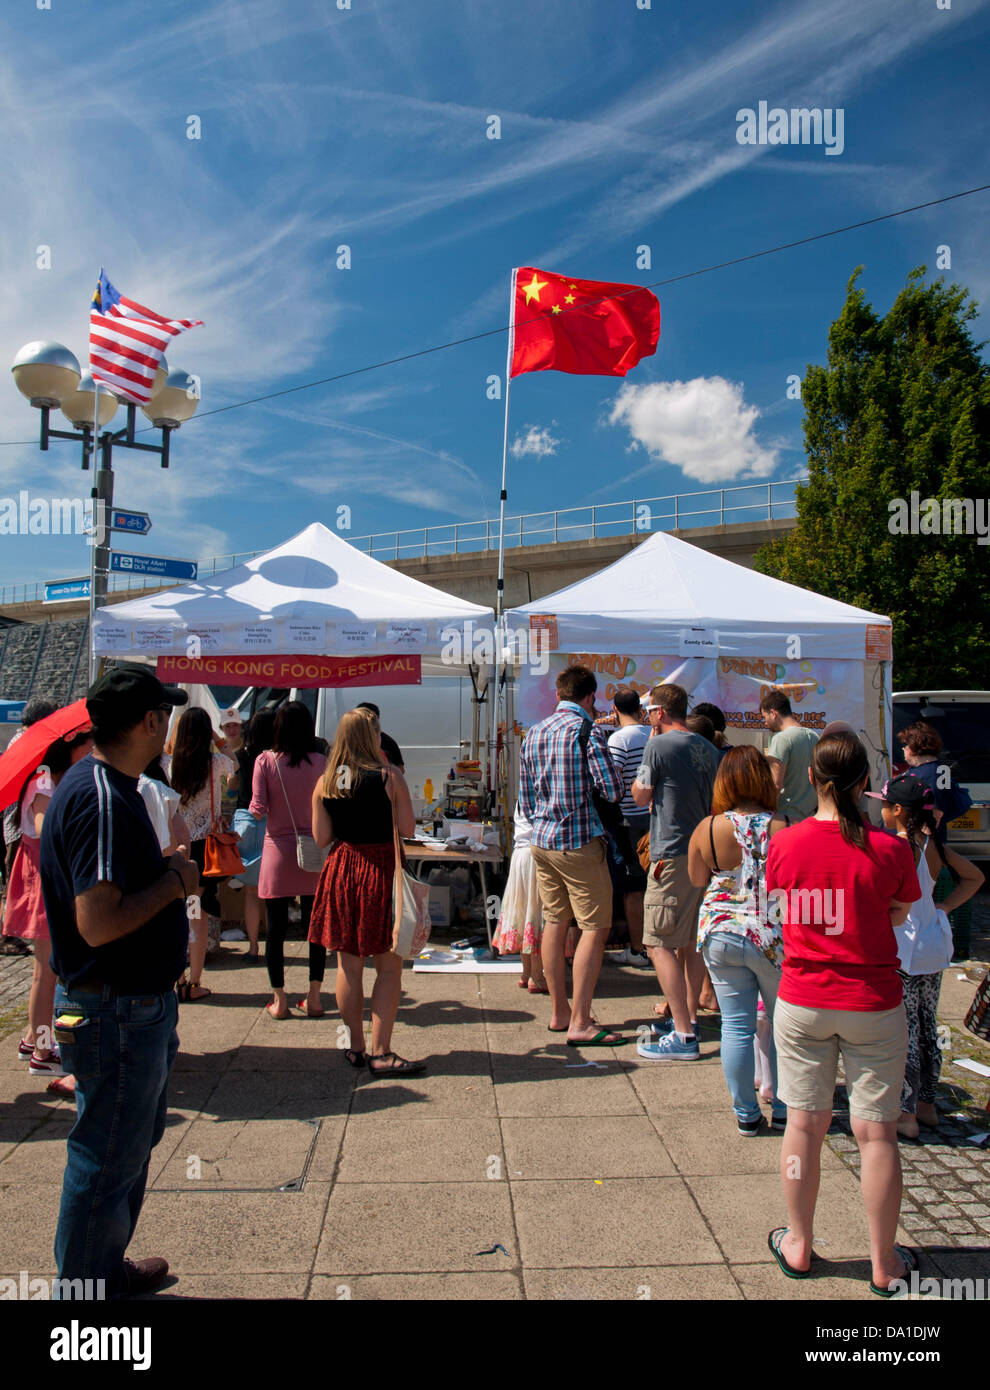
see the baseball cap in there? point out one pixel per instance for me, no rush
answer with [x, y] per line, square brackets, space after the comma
[906, 790]
[837, 726]
[129, 691]
[231, 716]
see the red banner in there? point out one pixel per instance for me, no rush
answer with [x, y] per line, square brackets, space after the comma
[302, 672]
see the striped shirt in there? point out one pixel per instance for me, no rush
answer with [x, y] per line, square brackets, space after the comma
[626, 747]
[556, 779]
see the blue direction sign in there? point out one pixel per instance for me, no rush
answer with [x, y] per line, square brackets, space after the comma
[152, 564]
[138, 523]
[65, 590]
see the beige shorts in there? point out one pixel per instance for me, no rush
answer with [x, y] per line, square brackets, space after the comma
[872, 1046]
[671, 906]
[575, 883]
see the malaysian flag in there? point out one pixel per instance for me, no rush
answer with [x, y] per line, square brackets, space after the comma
[127, 342]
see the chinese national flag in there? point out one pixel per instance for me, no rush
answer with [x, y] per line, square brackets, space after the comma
[588, 327]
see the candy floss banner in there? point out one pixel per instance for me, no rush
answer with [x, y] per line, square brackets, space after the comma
[820, 690]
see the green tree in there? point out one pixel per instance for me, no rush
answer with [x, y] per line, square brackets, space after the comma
[903, 406]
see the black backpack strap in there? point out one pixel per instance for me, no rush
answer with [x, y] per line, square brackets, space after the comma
[711, 840]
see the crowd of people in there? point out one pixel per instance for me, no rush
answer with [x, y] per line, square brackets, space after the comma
[753, 878]
[762, 874]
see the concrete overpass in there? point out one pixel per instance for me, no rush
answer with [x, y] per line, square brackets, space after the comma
[531, 571]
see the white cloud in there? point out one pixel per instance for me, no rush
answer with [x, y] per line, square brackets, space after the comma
[536, 441]
[703, 427]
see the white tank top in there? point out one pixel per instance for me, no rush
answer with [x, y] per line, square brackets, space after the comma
[924, 943]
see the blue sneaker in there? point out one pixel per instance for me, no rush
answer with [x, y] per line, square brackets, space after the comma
[663, 1026]
[670, 1049]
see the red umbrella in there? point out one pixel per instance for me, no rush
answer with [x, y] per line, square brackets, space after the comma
[26, 755]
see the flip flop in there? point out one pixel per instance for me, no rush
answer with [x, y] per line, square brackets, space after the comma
[601, 1039]
[910, 1265]
[279, 1018]
[301, 1006]
[774, 1241]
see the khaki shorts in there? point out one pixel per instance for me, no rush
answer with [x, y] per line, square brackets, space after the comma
[671, 906]
[872, 1046]
[575, 883]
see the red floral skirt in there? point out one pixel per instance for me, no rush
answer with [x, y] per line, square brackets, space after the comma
[24, 914]
[352, 910]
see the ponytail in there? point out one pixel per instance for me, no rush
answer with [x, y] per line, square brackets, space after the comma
[919, 819]
[839, 765]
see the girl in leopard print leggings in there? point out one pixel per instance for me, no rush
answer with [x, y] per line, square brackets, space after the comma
[924, 942]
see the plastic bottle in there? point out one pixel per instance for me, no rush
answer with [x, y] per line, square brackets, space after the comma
[428, 789]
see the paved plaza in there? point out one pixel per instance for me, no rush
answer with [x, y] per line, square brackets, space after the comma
[285, 1173]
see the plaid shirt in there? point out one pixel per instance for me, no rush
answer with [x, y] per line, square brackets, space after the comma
[554, 782]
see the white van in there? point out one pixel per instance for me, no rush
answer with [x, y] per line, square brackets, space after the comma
[429, 722]
[962, 718]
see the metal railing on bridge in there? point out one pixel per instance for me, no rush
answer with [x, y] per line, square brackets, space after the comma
[677, 511]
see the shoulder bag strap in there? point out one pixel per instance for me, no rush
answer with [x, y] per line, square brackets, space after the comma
[711, 841]
[292, 819]
[213, 812]
[398, 881]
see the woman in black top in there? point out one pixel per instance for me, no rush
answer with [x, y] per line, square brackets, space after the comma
[352, 913]
[259, 738]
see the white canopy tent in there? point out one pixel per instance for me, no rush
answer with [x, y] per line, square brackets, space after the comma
[314, 594]
[670, 611]
[317, 596]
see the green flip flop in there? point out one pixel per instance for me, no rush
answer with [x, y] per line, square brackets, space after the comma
[774, 1240]
[910, 1265]
[601, 1039]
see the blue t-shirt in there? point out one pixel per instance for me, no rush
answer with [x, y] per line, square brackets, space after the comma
[96, 830]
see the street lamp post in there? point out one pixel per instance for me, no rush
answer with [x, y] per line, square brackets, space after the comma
[48, 375]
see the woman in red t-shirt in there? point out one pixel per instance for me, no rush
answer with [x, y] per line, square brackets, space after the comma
[842, 888]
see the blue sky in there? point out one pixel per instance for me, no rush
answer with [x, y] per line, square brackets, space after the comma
[366, 127]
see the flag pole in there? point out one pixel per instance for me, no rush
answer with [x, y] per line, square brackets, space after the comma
[505, 448]
[500, 588]
[96, 537]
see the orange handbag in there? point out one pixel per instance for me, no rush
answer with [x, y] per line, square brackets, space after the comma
[221, 857]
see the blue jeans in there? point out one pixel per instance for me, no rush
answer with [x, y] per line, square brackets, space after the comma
[121, 1055]
[740, 973]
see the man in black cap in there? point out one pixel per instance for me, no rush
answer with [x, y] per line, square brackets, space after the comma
[117, 917]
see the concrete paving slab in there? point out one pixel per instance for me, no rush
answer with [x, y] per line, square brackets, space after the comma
[742, 1210]
[709, 1142]
[621, 1146]
[302, 1094]
[237, 1153]
[406, 1228]
[450, 1095]
[314, 1051]
[640, 1222]
[664, 1086]
[28, 1217]
[710, 1283]
[204, 1232]
[570, 1095]
[40, 1158]
[411, 1147]
[411, 1288]
[969, 1263]
[837, 1281]
[254, 1286]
